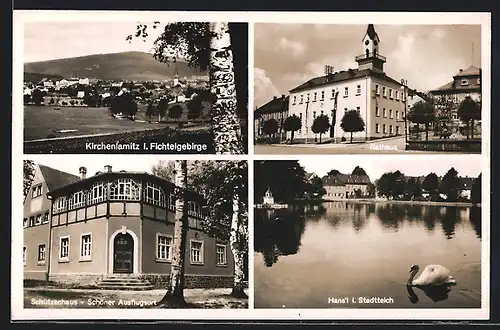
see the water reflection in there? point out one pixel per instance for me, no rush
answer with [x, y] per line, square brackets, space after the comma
[475, 219]
[435, 293]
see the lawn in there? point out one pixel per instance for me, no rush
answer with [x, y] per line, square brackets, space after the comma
[46, 297]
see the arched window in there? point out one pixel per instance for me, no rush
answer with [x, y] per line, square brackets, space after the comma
[76, 200]
[59, 205]
[98, 192]
[171, 201]
[124, 189]
[154, 195]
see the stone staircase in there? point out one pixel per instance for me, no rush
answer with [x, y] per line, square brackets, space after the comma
[124, 282]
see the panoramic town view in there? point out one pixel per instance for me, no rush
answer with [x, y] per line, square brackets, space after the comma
[388, 89]
[145, 234]
[133, 89]
[353, 233]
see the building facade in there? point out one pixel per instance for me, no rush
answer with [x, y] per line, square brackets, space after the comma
[83, 230]
[276, 109]
[379, 99]
[340, 186]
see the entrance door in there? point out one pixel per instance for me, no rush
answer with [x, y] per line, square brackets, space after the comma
[123, 256]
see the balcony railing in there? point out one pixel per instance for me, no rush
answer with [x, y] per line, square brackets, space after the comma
[370, 55]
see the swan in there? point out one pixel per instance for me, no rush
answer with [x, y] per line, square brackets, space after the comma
[431, 275]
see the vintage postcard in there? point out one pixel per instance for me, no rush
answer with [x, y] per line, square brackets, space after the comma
[120, 84]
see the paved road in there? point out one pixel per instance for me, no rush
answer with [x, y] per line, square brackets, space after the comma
[386, 146]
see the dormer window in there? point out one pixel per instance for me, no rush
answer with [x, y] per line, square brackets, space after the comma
[37, 191]
[464, 82]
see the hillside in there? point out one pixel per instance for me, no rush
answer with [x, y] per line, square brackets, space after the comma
[36, 77]
[116, 66]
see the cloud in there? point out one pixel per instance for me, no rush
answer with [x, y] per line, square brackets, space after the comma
[264, 88]
[404, 52]
[297, 49]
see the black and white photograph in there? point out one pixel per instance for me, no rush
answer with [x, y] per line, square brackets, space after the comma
[159, 87]
[152, 233]
[347, 232]
[368, 88]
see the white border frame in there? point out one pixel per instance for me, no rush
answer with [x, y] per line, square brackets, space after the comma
[386, 18]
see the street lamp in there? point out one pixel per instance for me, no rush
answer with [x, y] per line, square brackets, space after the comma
[404, 85]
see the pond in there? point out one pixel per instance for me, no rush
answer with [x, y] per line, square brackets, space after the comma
[352, 255]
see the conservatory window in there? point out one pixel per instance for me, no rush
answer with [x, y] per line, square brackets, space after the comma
[76, 200]
[59, 204]
[124, 189]
[155, 195]
[97, 192]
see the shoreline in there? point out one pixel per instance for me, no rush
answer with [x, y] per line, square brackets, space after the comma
[428, 203]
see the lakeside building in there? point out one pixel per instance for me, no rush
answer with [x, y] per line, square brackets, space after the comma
[276, 109]
[84, 230]
[339, 186]
[378, 98]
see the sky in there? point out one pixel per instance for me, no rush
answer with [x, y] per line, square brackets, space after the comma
[427, 56]
[53, 40]
[375, 166]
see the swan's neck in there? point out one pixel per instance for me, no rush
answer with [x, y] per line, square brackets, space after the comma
[412, 276]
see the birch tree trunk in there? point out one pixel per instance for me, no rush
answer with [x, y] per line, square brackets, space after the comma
[236, 241]
[175, 290]
[225, 122]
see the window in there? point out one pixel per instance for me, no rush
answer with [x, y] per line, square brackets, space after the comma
[315, 96]
[38, 219]
[333, 93]
[384, 113]
[397, 130]
[37, 191]
[464, 82]
[86, 247]
[76, 200]
[322, 95]
[377, 112]
[397, 114]
[64, 248]
[384, 92]
[124, 189]
[358, 89]
[390, 93]
[308, 97]
[41, 253]
[346, 91]
[294, 99]
[25, 222]
[171, 201]
[390, 113]
[194, 209]
[397, 95]
[384, 129]
[302, 99]
[390, 129]
[196, 252]
[163, 247]
[24, 255]
[314, 114]
[377, 128]
[59, 205]
[155, 195]
[45, 217]
[221, 255]
[377, 90]
[98, 192]
[32, 221]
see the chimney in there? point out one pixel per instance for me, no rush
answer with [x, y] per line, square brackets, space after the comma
[83, 172]
[274, 97]
[461, 70]
[108, 169]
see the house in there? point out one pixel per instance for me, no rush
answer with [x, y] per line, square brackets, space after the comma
[339, 186]
[276, 109]
[84, 81]
[466, 186]
[378, 98]
[268, 197]
[466, 83]
[80, 229]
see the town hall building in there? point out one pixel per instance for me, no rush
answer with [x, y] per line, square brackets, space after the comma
[115, 224]
[378, 98]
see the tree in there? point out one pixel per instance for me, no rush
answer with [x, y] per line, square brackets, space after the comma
[270, 127]
[450, 185]
[165, 169]
[38, 96]
[384, 184]
[162, 107]
[285, 178]
[398, 185]
[292, 124]
[413, 189]
[210, 46]
[124, 104]
[320, 125]
[391, 185]
[194, 107]
[225, 187]
[26, 98]
[475, 194]
[315, 187]
[422, 113]
[370, 190]
[352, 122]
[175, 112]
[468, 111]
[358, 171]
[431, 184]
[28, 175]
[151, 110]
[175, 291]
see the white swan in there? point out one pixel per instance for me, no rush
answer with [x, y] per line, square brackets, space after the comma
[431, 275]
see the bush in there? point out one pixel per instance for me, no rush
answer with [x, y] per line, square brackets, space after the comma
[343, 139]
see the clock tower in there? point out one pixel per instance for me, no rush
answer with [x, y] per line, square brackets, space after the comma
[371, 58]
